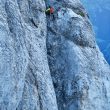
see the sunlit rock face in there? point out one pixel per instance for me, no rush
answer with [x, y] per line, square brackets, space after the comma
[50, 63]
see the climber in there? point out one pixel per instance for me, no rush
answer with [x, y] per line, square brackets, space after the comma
[50, 11]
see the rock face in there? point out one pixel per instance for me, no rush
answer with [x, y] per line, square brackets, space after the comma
[50, 63]
[25, 81]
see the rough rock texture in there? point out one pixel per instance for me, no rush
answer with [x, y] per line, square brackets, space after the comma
[25, 81]
[66, 71]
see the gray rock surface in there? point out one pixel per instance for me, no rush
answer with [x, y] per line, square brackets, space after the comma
[80, 74]
[25, 81]
[47, 63]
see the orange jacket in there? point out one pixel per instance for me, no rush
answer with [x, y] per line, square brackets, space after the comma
[51, 10]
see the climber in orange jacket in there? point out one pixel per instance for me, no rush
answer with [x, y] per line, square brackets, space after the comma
[50, 11]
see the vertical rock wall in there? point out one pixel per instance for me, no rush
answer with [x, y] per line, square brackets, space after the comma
[25, 81]
[33, 46]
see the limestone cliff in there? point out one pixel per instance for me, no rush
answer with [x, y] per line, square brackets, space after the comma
[50, 63]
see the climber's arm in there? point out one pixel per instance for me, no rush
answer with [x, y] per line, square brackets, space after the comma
[47, 10]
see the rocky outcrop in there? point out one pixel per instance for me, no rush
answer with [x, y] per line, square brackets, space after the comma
[80, 73]
[50, 63]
